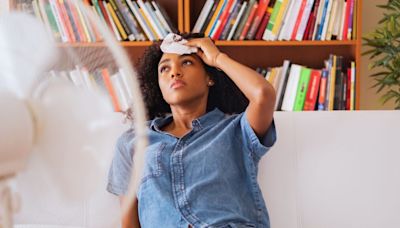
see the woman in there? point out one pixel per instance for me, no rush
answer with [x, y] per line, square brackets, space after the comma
[201, 163]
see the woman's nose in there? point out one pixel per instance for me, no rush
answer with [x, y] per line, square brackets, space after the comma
[176, 73]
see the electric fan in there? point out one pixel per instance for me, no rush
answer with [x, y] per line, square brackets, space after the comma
[56, 108]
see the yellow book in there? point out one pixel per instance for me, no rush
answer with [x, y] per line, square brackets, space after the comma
[121, 30]
[279, 18]
[149, 24]
[214, 17]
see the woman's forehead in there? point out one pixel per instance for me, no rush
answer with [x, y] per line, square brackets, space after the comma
[172, 56]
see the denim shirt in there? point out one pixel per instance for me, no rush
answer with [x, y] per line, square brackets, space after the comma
[207, 178]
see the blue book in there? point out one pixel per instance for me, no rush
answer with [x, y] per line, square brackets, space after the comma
[323, 20]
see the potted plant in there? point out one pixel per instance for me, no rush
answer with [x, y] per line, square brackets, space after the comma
[384, 44]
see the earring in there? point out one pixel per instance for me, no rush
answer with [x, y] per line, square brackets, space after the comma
[210, 83]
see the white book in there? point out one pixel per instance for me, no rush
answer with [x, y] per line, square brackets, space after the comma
[203, 16]
[338, 20]
[342, 21]
[120, 91]
[87, 78]
[281, 80]
[147, 14]
[332, 20]
[304, 20]
[318, 20]
[239, 17]
[287, 20]
[291, 88]
[327, 18]
[113, 26]
[76, 78]
[161, 17]
[127, 82]
[141, 20]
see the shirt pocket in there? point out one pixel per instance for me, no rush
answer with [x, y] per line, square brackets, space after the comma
[153, 162]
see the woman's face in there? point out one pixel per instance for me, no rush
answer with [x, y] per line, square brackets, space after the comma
[182, 79]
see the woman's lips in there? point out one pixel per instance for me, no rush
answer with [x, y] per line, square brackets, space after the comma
[177, 84]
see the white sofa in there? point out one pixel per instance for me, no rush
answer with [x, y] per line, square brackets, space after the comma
[327, 169]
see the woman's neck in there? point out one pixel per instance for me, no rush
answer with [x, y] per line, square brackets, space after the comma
[182, 119]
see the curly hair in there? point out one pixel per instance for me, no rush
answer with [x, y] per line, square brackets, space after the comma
[224, 95]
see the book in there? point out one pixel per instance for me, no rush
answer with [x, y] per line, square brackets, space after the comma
[302, 89]
[312, 90]
[221, 22]
[142, 22]
[231, 21]
[209, 17]
[203, 16]
[291, 88]
[248, 22]
[304, 20]
[281, 86]
[322, 90]
[263, 25]
[214, 17]
[237, 20]
[242, 21]
[261, 11]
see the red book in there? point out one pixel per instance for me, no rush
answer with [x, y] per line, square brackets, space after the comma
[261, 11]
[107, 82]
[298, 19]
[314, 19]
[348, 89]
[346, 21]
[264, 23]
[249, 21]
[223, 19]
[312, 90]
[65, 20]
[104, 11]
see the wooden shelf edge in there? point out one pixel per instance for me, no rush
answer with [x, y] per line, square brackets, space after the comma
[285, 43]
[227, 43]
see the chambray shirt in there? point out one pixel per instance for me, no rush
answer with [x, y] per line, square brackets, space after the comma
[207, 178]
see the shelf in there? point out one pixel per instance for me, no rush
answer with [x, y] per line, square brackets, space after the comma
[285, 43]
[228, 43]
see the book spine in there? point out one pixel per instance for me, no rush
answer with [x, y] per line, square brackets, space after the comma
[237, 20]
[312, 91]
[248, 22]
[121, 20]
[302, 89]
[264, 22]
[203, 16]
[322, 90]
[261, 11]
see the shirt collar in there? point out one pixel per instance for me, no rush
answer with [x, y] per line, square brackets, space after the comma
[208, 119]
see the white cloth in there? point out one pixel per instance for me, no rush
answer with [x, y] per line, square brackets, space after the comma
[174, 43]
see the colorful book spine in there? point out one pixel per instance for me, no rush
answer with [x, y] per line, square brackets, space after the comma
[312, 90]
[302, 89]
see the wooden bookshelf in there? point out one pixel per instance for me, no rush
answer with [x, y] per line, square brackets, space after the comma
[255, 53]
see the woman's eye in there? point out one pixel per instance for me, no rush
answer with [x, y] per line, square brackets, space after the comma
[187, 62]
[162, 69]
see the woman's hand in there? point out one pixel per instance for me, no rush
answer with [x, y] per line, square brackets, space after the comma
[208, 52]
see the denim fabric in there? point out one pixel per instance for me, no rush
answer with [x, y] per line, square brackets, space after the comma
[207, 178]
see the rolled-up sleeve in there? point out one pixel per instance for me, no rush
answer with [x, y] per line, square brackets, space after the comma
[259, 147]
[120, 171]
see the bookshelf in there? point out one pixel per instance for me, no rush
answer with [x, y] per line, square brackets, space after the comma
[255, 53]
[272, 53]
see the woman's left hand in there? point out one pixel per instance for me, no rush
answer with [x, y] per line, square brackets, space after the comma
[208, 52]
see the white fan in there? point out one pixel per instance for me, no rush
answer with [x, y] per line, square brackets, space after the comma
[46, 118]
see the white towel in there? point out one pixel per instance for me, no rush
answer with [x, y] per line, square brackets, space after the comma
[174, 43]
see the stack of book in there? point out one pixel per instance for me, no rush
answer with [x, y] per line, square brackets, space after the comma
[129, 20]
[278, 20]
[113, 82]
[300, 88]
